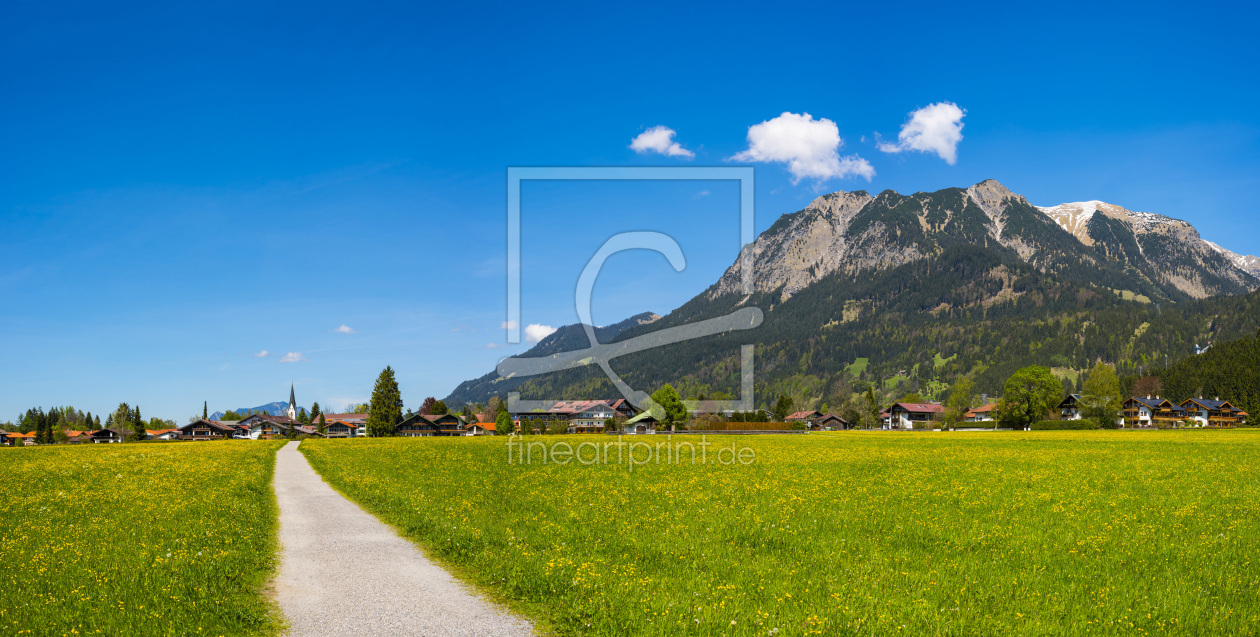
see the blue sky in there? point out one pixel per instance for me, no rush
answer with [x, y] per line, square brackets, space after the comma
[184, 188]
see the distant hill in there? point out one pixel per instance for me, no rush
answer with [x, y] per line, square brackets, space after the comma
[277, 408]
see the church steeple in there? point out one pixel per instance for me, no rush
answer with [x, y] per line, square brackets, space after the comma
[292, 412]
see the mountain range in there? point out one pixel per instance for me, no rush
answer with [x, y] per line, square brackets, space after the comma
[278, 408]
[912, 291]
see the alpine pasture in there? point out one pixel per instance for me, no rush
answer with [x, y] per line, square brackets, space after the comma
[882, 533]
[137, 539]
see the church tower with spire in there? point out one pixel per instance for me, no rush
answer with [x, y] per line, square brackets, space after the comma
[292, 412]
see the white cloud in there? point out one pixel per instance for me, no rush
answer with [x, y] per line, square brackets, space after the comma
[935, 128]
[292, 357]
[659, 139]
[702, 193]
[810, 148]
[262, 354]
[346, 329]
[507, 325]
[535, 332]
[491, 346]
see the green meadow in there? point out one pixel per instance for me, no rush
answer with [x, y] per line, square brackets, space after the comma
[882, 533]
[137, 539]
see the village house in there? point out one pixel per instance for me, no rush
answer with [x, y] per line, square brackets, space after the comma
[112, 434]
[818, 421]
[264, 427]
[352, 421]
[420, 425]
[1210, 413]
[343, 429]
[161, 434]
[1070, 407]
[582, 416]
[983, 413]
[202, 429]
[481, 429]
[644, 423]
[907, 415]
[1152, 412]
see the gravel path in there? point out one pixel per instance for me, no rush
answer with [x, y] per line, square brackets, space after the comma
[343, 572]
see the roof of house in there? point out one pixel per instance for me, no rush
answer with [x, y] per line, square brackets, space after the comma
[112, 430]
[575, 406]
[158, 432]
[983, 408]
[1156, 403]
[488, 426]
[1207, 404]
[655, 413]
[805, 415]
[1070, 398]
[833, 417]
[20, 435]
[346, 417]
[919, 407]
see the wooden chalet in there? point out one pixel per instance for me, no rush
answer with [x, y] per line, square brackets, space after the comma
[342, 429]
[1152, 412]
[831, 422]
[202, 429]
[1211, 413]
[1070, 407]
[421, 425]
[113, 434]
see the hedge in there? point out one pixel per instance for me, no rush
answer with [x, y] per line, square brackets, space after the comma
[754, 426]
[1047, 425]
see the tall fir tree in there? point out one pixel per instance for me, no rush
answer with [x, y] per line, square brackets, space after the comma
[385, 408]
[205, 410]
[137, 426]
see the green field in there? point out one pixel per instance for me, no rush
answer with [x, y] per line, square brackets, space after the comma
[137, 539]
[882, 533]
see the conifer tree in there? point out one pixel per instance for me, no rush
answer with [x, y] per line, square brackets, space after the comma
[385, 408]
[205, 410]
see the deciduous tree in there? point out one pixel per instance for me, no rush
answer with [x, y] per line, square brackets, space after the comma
[1100, 397]
[1029, 394]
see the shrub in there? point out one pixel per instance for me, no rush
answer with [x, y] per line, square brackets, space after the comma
[1048, 425]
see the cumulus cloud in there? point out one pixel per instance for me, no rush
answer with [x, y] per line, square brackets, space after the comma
[535, 332]
[659, 139]
[507, 325]
[810, 148]
[292, 357]
[935, 128]
[491, 346]
[346, 329]
[262, 354]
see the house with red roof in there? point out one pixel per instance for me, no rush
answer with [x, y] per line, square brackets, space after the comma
[912, 415]
[481, 429]
[984, 413]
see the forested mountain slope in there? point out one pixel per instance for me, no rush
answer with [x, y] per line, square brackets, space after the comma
[909, 292]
